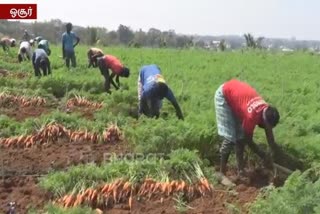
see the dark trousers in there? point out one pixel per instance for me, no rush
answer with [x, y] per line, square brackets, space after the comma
[44, 66]
[70, 55]
[151, 107]
[105, 73]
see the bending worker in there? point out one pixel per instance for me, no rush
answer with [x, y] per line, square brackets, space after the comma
[239, 108]
[117, 70]
[152, 89]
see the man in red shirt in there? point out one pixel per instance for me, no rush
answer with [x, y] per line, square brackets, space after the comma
[117, 69]
[239, 108]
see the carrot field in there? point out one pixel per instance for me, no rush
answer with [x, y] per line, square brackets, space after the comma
[69, 147]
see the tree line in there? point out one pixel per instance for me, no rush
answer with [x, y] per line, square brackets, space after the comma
[124, 35]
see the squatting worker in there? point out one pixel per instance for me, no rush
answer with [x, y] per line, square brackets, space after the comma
[239, 108]
[93, 54]
[117, 70]
[152, 89]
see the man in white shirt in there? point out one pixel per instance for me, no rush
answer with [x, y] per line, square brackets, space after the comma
[25, 51]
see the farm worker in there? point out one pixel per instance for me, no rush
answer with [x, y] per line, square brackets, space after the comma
[7, 42]
[31, 41]
[68, 45]
[38, 39]
[93, 54]
[26, 36]
[239, 108]
[41, 61]
[152, 88]
[25, 51]
[43, 44]
[117, 70]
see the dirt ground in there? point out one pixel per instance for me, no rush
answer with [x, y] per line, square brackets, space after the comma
[87, 112]
[20, 113]
[19, 75]
[21, 168]
[25, 192]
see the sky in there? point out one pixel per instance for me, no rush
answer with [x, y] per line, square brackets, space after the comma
[269, 18]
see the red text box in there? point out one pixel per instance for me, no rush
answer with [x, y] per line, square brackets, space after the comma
[18, 11]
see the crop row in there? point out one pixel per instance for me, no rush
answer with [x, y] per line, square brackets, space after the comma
[52, 132]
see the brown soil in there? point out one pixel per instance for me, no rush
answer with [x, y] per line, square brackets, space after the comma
[86, 112]
[218, 203]
[21, 167]
[19, 75]
[23, 191]
[42, 159]
[21, 113]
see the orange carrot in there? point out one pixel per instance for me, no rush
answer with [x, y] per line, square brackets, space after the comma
[130, 202]
[69, 201]
[105, 188]
[205, 183]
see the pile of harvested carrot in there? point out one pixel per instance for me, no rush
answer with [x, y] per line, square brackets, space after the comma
[121, 191]
[22, 100]
[112, 134]
[52, 132]
[83, 102]
[84, 136]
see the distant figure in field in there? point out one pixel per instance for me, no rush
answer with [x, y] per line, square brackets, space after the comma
[93, 54]
[152, 89]
[31, 41]
[68, 45]
[25, 51]
[43, 44]
[26, 36]
[40, 61]
[117, 70]
[239, 108]
[6, 43]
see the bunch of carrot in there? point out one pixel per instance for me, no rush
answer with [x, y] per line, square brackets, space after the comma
[120, 191]
[22, 100]
[83, 102]
[112, 134]
[52, 132]
[84, 136]
[19, 141]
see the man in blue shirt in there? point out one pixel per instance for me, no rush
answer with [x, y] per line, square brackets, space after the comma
[41, 61]
[152, 88]
[68, 45]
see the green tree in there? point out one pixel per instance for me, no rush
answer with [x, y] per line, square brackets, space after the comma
[125, 34]
[93, 32]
